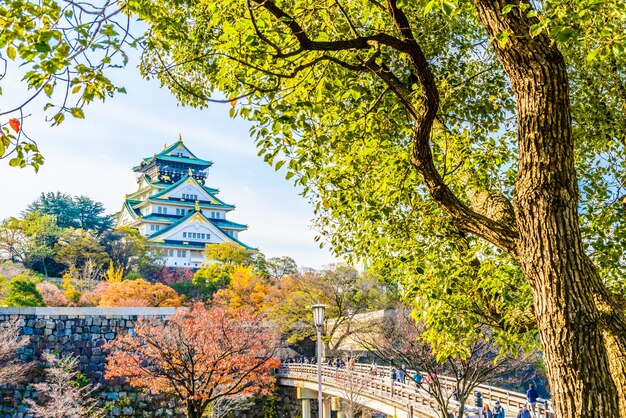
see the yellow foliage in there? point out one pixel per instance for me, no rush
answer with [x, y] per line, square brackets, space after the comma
[113, 274]
[139, 293]
[69, 290]
[245, 290]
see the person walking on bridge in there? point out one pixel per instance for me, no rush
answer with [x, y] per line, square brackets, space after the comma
[523, 412]
[532, 395]
[498, 410]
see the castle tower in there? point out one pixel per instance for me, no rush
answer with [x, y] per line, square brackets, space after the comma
[174, 209]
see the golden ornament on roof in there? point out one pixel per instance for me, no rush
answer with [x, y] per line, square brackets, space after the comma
[197, 206]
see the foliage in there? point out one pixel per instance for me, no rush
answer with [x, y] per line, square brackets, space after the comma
[128, 250]
[279, 267]
[41, 233]
[9, 269]
[79, 280]
[245, 290]
[92, 297]
[63, 393]
[188, 357]
[12, 239]
[51, 294]
[344, 292]
[138, 293]
[71, 212]
[229, 253]
[192, 292]
[12, 370]
[113, 274]
[213, 277]
[64, 48]
[22, 291]
[171, 275]
[75, 247]
[401, 341]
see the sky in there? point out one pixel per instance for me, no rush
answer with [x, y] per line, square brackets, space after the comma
[94, 157]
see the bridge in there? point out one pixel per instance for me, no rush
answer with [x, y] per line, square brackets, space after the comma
[358, 385]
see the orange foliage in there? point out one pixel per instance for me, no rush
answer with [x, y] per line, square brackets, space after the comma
[138, 293]
[200, 355]
[245, 290]
[92, 297]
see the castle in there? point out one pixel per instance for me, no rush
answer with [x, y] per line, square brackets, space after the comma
[174, 209]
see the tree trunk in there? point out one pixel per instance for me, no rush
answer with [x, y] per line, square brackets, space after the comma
[582, 330]
[193, 411]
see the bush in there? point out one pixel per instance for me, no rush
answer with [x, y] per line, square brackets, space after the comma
[92, 297]
[51, 294]
[139, 293]
[22, 291]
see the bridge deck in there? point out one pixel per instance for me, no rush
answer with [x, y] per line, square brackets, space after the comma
[380, 393]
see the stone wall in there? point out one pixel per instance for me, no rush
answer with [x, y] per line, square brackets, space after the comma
[81, 333]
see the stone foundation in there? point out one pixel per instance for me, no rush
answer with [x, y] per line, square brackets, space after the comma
[81, 333]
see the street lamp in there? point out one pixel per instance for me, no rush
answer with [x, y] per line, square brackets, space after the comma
[318, 320]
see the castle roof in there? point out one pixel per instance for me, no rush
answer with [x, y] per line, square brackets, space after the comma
[167, 155]
[197, 215]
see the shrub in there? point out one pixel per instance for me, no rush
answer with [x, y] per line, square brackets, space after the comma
[92, 297]
[138, 293]
[51, 294]
[22, 291]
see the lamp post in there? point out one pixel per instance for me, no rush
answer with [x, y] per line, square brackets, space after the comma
[318, 320]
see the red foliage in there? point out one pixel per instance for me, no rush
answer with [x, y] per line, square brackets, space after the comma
[201, 355]
[15, 124]
[52, 295]
[171, 275]
[92, 298]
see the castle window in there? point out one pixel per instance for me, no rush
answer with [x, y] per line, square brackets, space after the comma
[184, 235]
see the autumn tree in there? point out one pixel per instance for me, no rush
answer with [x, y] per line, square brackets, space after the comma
[137, 293]
[245, 290]
[398, 339]
[344, 291]
[278, 267]
[199, 356]
[76, 246]
[492, 128]
[51, 294]
[12, 370]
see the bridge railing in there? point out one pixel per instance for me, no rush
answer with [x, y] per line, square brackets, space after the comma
[381, 385]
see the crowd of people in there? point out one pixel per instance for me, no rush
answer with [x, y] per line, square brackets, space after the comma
[404, 376]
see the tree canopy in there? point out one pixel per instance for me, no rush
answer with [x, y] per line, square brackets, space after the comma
[442, 141]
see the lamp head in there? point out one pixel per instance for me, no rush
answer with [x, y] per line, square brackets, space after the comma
[318, 314]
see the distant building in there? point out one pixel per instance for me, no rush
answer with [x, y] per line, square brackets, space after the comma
[174, 208]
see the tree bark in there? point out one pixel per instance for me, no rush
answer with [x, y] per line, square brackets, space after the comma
[582, 329]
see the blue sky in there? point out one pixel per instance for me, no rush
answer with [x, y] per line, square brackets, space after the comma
[94, 156]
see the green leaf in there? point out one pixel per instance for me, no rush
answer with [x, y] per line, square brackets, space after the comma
[506, 9]
[42, 47]
[564, 34]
